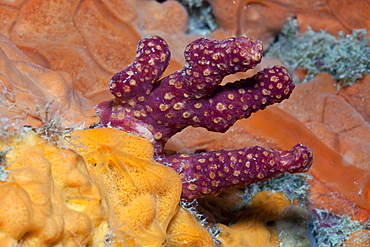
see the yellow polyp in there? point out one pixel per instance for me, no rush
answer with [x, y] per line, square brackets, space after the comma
[77, 204]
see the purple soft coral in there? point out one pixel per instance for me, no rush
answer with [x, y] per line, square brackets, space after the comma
[158, 109]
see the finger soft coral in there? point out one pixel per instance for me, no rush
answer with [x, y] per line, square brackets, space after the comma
[192, 96]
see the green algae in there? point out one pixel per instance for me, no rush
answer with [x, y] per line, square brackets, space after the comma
[201, 19]
[330, 230]
[346, 58]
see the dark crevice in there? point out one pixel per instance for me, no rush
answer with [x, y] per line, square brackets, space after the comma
[201, 18]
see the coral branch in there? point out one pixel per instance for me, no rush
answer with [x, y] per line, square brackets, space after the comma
[239, 99]
[211, 172]
[137, 79]
[208, 62]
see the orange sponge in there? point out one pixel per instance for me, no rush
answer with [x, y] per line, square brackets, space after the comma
[108, 190]
[49, 198]
[143, 195]
[260, 223]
